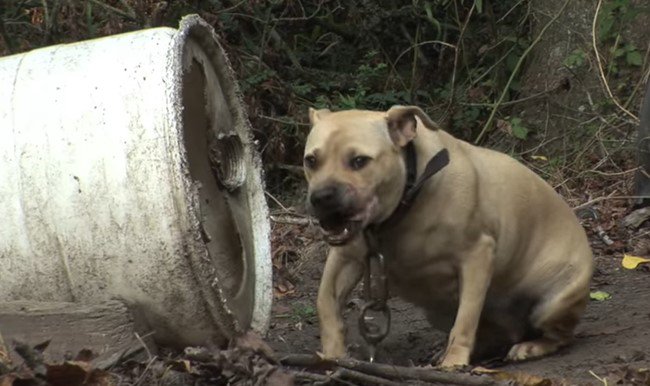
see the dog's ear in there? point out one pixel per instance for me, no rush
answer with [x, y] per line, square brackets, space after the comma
[317, 115]
[401, 123]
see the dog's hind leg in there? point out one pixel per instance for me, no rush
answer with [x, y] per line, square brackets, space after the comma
[556, 317]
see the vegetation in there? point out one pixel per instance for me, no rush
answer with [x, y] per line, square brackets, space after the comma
[462, 60]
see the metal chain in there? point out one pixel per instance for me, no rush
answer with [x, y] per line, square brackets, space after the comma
[375, 296]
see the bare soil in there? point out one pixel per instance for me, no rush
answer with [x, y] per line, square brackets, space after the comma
[612, 342]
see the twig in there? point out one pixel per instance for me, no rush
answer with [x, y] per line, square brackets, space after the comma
[305, 17]
[114, 9]
[276, 201]
[363, 377]
[311, 376]
[293, 220]
[601, 379]
[5, 36]
[516, 70]
[495, 64]
[614, 174]
[231, 8]
[285, 121]
[509, 11]
[459, 44]
[603, 198]
[389, 371]
[144, 345]
[513, 102]
[422, 44]
[600, 66]
[145, 371]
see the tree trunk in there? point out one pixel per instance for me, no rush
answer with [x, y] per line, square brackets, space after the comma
[643, 148]
[564, 93]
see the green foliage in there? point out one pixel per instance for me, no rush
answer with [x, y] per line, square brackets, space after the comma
[302, 312]
[518, 129]
[452, 57]
[613, 18]
[576, 59]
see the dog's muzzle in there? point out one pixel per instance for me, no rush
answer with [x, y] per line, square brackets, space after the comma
[339, 212]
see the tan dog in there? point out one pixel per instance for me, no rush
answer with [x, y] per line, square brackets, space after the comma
[488, 249]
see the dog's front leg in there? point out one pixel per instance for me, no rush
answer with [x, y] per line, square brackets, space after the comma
[476, 269]
[342, 272]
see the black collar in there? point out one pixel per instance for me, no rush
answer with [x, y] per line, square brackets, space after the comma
[413, 186]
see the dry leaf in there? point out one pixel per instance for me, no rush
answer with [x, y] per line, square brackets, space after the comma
[631, 262]
[69, 373]
[504, 126]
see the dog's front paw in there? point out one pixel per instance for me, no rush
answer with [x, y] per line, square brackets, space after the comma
[333, 351]
[454, 359]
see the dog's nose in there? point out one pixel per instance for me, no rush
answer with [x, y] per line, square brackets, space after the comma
[325, 197]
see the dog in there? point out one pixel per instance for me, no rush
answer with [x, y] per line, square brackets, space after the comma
[487, 248]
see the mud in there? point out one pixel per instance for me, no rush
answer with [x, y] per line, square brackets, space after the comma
[613, 337]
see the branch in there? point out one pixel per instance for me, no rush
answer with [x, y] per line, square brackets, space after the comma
[385, 371]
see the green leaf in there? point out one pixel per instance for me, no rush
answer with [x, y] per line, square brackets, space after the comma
[520, 132]
[633, 58]
[479, 5]
[599, 295]
[575, 59]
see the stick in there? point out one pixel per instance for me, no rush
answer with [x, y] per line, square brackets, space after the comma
[603, 198]
[389, 371]
[363, 377]
[293, 220]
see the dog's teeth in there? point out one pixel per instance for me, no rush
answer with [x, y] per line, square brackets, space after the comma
[346, 231]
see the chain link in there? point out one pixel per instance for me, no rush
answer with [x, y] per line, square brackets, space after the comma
[375, 296]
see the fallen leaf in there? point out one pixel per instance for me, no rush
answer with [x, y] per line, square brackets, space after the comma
[599, 295]
[68, 373]
[631, 262]
[539, 158]
[504, 126]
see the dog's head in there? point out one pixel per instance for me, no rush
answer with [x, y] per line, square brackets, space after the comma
[354, 166]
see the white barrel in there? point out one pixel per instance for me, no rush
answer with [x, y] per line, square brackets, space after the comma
[128, 170]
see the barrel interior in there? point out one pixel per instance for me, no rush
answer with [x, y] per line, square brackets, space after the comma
[215, 158]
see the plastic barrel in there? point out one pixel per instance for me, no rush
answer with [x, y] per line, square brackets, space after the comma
[128, 170]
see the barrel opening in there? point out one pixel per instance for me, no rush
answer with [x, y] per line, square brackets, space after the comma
[215, 162]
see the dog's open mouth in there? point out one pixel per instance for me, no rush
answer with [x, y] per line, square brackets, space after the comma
[339, 232]
[339, 229]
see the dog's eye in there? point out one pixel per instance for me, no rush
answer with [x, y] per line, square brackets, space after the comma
[310, 161]
[359, 162]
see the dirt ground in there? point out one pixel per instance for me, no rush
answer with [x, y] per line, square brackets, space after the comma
[613, 340]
